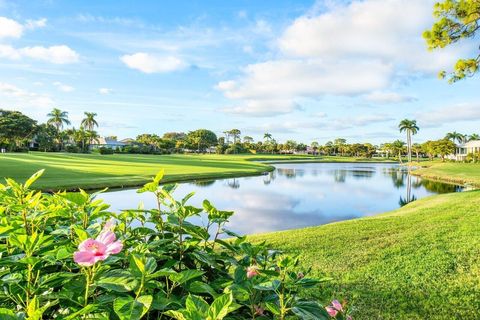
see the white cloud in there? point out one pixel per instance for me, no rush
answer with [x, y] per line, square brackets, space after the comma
[265, 107]
[450, 114]
[10, 28]
[22, 96]
[283, 81]
[386, 29]
[35, 24]
[9, 52]
[61, 54]
[105, 91]
[348, 48]
[148, 63]
[388, 97]
[63, 87]
[55, 54]
[262, 27]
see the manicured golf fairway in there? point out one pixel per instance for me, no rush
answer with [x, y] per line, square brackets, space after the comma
[96, 171]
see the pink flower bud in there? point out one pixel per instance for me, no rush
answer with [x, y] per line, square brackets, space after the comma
[258, 310]
[252, 271]
[337, 305]
[331, 311]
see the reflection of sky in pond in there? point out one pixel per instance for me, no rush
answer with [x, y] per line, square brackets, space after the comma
[300, 195]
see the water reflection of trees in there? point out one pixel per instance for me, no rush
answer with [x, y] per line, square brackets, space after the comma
[403, 178]
[290, 173]
[203, 183]
[439, 187]
[269, 177]
[340, 175]
[233, 183]
[409, 196]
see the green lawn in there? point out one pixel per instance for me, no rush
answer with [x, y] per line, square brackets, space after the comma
[419, 262]
[455, 172]
[91, 171]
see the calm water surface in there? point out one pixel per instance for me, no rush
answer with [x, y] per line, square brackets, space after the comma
[300, 195]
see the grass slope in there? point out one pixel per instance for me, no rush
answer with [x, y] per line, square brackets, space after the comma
[91, 171]
[451, 172]
[419, 262]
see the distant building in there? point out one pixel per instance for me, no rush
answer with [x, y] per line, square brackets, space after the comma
[464, 149]
[106, 142]
[128, 141]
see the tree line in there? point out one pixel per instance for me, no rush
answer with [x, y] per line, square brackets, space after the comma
[18, 131]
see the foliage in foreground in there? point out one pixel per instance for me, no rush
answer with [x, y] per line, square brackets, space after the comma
[61, 259]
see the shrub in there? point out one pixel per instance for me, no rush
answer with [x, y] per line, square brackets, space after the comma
[65, 256]
[72, 149]
[104, 150]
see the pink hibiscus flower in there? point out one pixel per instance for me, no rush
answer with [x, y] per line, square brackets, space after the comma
[91, 251]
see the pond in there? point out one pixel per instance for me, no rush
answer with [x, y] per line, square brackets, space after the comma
[300, 195]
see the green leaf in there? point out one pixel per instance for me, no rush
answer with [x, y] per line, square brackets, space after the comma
[196, 303]
[128, 308]
[309, 310]
[202, 287]
[141, 265]
[268, 286]
[63, 253]
[176, 314]
[81, 234]
[220, 307]
[12, 278]
[85, 310]
[6, 314]
[159, 176]
[185, 276]
[33, 178]
[117, 280]
[273, 308]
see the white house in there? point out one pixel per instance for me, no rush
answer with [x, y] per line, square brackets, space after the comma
[107, 143]
[464, 149]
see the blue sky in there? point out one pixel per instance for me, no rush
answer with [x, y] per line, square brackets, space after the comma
[307, 70]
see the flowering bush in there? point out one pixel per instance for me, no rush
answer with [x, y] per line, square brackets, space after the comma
[65, 256]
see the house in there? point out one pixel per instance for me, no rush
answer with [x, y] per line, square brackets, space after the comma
[129, 141]
[107, 142]
[466, 148]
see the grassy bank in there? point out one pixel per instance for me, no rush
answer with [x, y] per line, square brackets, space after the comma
[419, 262]
[461, 173]
[91, 171]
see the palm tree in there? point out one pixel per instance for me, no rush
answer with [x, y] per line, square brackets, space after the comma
[455, 136]
[267, 136]
[89, 121]
[417, 148]
[92, 136]
[410, 126]
[473, 136]
[58, 118]
[398, 147]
